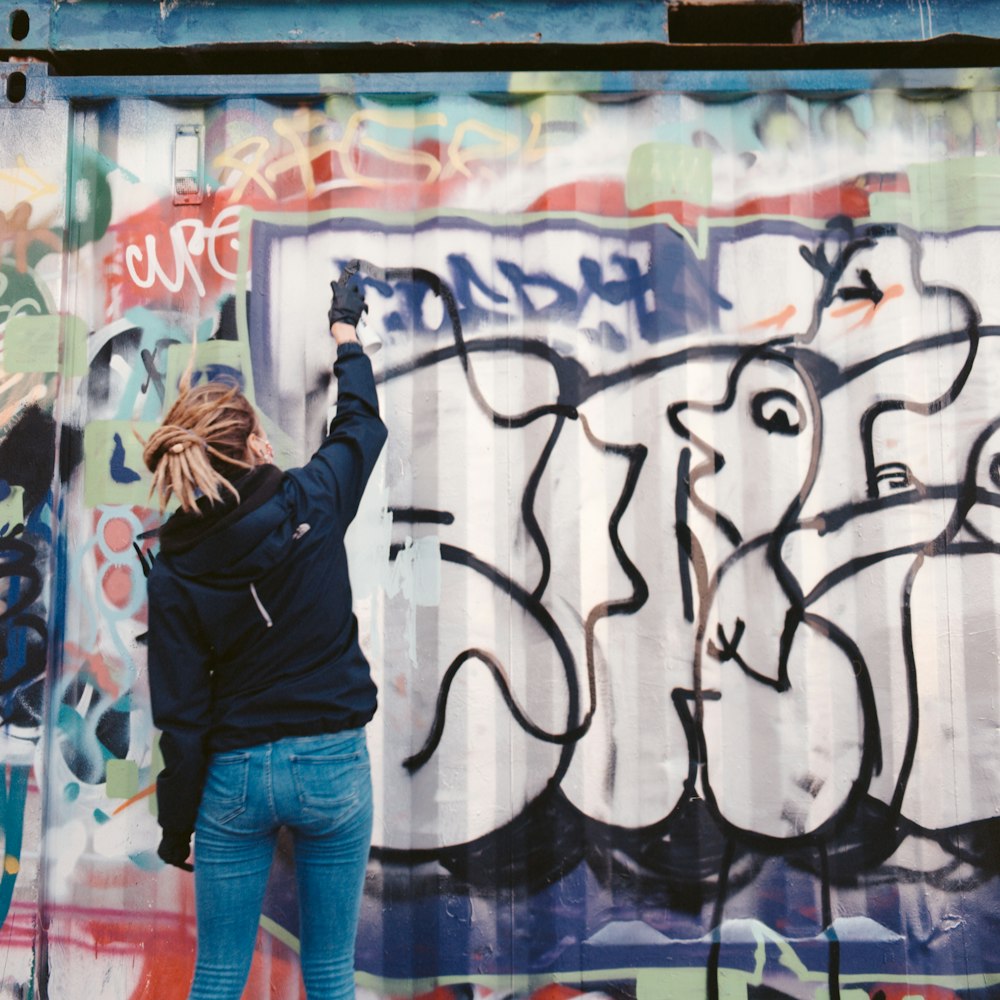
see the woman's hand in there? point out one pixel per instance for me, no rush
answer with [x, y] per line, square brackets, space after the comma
[344, 333]
[347, 302]
[175, 849]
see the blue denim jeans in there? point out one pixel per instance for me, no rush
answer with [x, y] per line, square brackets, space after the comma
[319, 787]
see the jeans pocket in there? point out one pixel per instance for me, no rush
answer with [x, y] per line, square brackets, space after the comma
[226, 785]
[328, 781]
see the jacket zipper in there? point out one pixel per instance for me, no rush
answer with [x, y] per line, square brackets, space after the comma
[299, 532]
[260, 606]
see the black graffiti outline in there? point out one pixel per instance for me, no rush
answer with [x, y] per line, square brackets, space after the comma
[527, 601]
[828, 376]
[870, 762]
[635, 456]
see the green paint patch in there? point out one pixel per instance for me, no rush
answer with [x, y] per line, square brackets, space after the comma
[12, 509]
[667, 171]
[955, 194]
[275, 929]
[122, 779]
[891, 207]
[74, 359]
[572, 82]
[31, 344]
[114, 472]
[212, 359]
[155, 768]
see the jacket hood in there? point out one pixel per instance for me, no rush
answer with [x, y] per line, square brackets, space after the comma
[234, 539]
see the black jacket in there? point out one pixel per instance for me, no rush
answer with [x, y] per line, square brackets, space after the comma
[252, 636]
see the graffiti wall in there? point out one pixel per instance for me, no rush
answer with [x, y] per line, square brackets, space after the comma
[679, 573]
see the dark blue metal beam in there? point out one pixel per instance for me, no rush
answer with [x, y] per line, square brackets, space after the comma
[126, 25]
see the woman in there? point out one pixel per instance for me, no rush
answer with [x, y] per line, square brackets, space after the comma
[257, 680]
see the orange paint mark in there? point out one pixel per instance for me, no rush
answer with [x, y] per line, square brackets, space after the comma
[16, 229]
[852, 308]
[778, 319]
[892, 292]
[138, 797]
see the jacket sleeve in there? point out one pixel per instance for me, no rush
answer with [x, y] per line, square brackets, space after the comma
[180, 688]
[337, 474]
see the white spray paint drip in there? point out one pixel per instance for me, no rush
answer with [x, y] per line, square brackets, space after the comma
[64, 846]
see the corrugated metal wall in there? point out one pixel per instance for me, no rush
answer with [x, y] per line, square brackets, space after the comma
[677, 577]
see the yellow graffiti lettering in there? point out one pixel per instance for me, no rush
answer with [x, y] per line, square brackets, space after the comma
[472, 141]
[302, 154]
[388, 119]
[25, 177]
[532, 151]
[412, 157]
[500, 144]
[247, 170]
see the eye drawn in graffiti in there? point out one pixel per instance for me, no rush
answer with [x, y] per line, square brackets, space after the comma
[766, 634]
[760, 654]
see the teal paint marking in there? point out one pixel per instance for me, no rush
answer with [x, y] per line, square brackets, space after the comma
[88, 197]
[148, 861]
[12, 799]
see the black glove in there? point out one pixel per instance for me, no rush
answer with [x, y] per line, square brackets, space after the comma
[348, 299]
[174, 849]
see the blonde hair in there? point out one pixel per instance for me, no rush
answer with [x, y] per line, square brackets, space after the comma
[201, 444]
